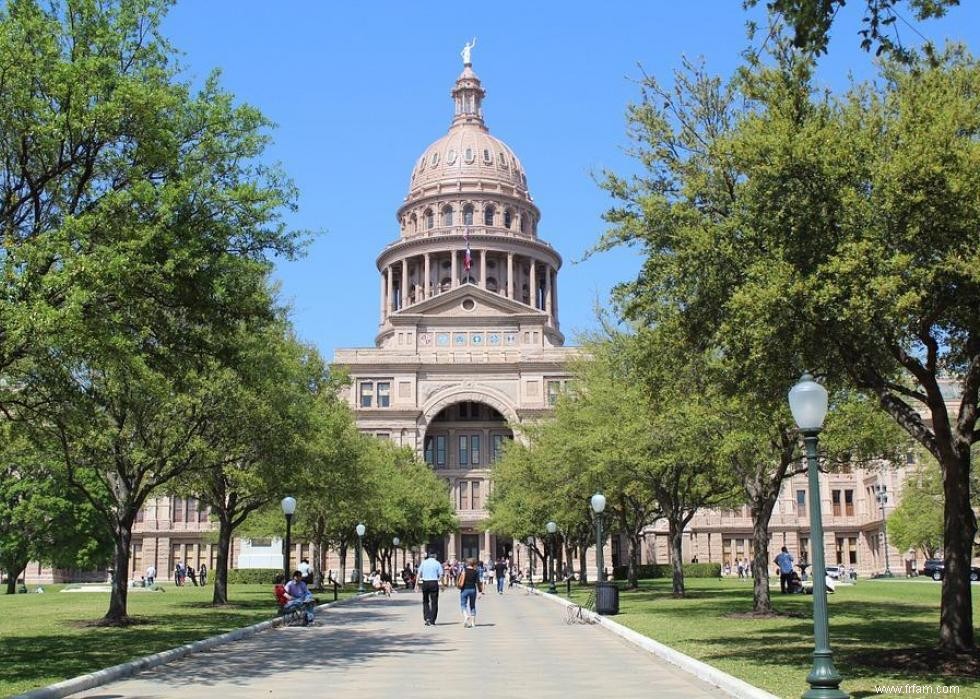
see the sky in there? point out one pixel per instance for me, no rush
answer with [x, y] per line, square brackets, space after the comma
[359, 90]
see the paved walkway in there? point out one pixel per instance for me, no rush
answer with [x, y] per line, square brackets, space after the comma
[379, 647]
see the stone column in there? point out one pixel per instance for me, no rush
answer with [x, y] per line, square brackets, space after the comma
[554, 300]
[533, 283]
[547, 292]
[455, 269]
[404, 284]
[510, 275]
[390, 296]
[428, 275]
[483, 268]
[486, 539]
[384, 310]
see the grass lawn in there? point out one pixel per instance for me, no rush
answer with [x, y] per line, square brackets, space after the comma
[774, 653]
[43, 638]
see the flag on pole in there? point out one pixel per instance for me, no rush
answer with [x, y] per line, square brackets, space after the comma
[468, 257]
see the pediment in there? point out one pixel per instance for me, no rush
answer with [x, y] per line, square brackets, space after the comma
[453, 304]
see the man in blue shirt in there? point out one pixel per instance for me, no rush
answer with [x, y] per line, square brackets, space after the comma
[785, 563]
[429, 573]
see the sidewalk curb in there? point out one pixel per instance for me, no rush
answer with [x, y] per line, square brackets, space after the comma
[131, 667]
[740, 689]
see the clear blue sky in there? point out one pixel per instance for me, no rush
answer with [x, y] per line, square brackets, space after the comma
[358, 90]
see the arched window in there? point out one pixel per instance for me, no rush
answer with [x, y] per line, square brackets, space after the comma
[447, 216]
[414, 223]
[468, 215]
[507, 218]
[488, 216]
[487, 158]
[430, 219]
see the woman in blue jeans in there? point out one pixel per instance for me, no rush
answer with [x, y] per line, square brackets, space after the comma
[469, 584]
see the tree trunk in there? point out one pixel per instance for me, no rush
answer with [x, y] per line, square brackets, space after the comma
[959, 529]
[676, 533]
[761, 599]
[343, 563]
[120, 578]
[583, 576]
[220, 595]
[13, 573]
[632, 560]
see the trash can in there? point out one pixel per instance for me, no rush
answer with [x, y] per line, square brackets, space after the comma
[606, 598]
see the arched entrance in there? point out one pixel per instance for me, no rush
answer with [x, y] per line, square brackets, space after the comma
[462, 439]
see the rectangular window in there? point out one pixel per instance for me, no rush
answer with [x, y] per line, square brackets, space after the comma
[498, 447]
[835, 501]
[840, 550]
[849, 503]
[464, 450]
[384, 394]
[191, 509]
[476, 495]
[464, 495]
[367, 394]
[428, 450]
[475, 449]
[139, 514]
[852, 543]
[554, 387]
[203, 513]
[383, 435]
[177, 511]
[441, 450]
[801, 503]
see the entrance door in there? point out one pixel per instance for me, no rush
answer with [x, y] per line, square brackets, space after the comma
[470, 546]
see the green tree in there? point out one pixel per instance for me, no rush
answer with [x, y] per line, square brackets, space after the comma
[784, 232]
[137, 223]
[917, 522]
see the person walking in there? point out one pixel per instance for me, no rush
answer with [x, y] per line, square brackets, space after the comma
[191, 573]
[203, 575]
[469, 583]
[151, 575]
[785, 562]
[430, 573]
[500, 570]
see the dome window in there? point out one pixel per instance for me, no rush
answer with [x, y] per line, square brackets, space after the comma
[422, 164]
[430, 219]
[414, 223]
[435, 159]
[468, 215]
[501, 161]
[468, 155]
[488, 216]
[507, 218]
[487, 158]
[447, 216]
[451, 157]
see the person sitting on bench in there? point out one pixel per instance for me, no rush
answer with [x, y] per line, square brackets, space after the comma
[295, 595]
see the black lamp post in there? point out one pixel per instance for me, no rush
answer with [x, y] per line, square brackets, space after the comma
[552, 528]
[881, 495]
[808, 403]
[598, 503]
[288, 508]
[360, 529]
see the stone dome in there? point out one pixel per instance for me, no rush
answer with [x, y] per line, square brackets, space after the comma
[468, 155]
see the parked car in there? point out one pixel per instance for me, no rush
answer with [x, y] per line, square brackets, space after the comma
[936, 569]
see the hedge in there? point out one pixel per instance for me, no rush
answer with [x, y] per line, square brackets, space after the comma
[255, 576]
[665, 570]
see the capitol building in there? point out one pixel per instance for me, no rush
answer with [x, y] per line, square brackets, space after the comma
[469, 345]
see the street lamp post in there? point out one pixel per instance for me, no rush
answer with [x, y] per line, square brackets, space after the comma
[288, 508]
[552, 528]
[530, 558]
[394, 566]
[598, 503]
[808, 403]
[881, 494]
[360, 529]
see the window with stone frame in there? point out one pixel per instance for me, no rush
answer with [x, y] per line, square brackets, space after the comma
[447, 216]
[430, 219]
[835, 502]
[498, 447]
[849, 503]
[488, 216]
[464, 450]
[464, 495]
[177, 510]
[384, 394]
[367, 394]
[801, 503]
[474, 449]
[507, 218]
[475, 495]
[554, 389]
[468, 215]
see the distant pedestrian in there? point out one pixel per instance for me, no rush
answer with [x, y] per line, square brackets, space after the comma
[741, 569]
[192, 574]
[429, 574]
[151, 575]
[179, 573]
[469, 583]
[500, 570]
[203, 574]
[306, 569]
[785, 562]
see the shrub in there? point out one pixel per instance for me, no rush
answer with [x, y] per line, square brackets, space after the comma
[665, 570]
[254, 576]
